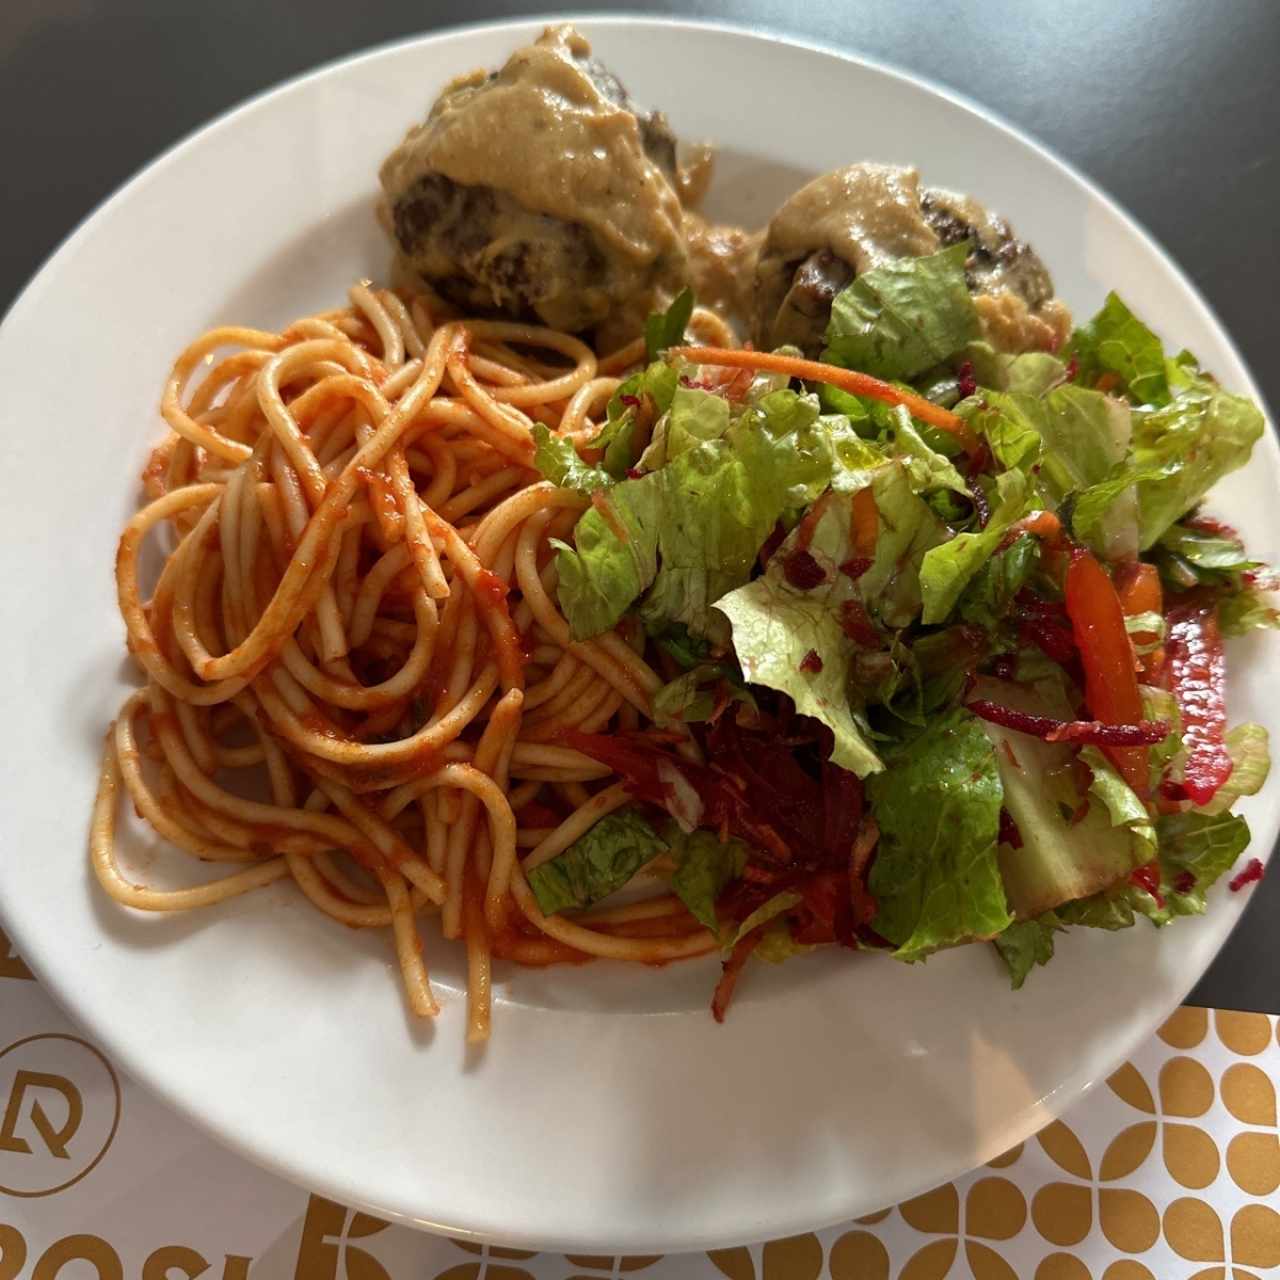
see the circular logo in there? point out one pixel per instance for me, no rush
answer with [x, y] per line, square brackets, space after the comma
[59, 1111]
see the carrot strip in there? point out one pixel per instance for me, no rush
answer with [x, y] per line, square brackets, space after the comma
[859, 384]
[866, 523]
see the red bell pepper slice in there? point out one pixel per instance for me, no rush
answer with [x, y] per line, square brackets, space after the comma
[1110, 680]
[1197, 674]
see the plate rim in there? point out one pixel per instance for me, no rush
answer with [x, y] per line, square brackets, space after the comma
[1122, 1041]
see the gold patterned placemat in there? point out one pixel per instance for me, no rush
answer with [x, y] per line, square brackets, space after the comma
[1169, 1170]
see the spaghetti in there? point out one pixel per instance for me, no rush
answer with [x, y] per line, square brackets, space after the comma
[356, 674]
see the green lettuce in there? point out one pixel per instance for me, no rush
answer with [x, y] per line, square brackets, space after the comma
[602, 574]
[560, 462]
[988, 599]
[1247, 610]
[1027, 943]
[1250, 752]
[665, 329]
[704, 866]
[1067, 440]
[946, 570]
[648, 393]
[776, 626]
[694, 416]
[936, 877]
[903, 317]
[1115, 341]
[691, 529]
[691, 697]
[597, 863]
[929, 470]
[768, 911]
[907, 531]
[1068, 850]
[1196, 850]
[1122, 804]
[1203, 846]
[1179, 452]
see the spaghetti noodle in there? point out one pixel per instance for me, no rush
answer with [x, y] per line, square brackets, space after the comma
[356, 623]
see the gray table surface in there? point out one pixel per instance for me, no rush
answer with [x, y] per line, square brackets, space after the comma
[1170, 106]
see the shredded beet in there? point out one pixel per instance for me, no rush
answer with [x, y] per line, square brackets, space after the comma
[980, 504]
[772, 543]
[1009, 833]
[856, 567]
[1250, 875]
[1044, 623]
[811, 663]
[1147, 878]
[634, 473]
[980, 461]
[1214, 528]
[1073, 369]
[632, 402]
[1005, 666]
[802, 571]
[968, 384]
[1087, 732]
[856, 623]
[1184, 882]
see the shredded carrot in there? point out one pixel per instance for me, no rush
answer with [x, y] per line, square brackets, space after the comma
[859, 384]
[1138, 586]
[1040, 524]
[866, 522]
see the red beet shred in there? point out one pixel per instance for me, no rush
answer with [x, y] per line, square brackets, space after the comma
[1144, 733]
[1250, 875]
[802, 571]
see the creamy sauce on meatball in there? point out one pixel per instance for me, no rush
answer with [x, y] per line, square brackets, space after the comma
[543, 134]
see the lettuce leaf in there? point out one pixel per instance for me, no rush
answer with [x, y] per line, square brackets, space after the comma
[1067, 852]
[908, 530]
[929, 470]
[1205, 846]
[1121, 803]
[650, 392]
[947, 570]
[1027, 943]
[936, 877]
[665, 329]
[597, 863]
[903, 317]
[1115, 341]
[704, 866]
[694, 416]
[1247, 610]
[1249, 747]
[602, 574]
[560, 462]
[1196, 850]
[769, 910]
[692, 528]
[988, 598]
[691, 697]
[1179, 452]
[776, 626]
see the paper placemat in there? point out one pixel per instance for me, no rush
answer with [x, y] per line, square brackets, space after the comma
[1169, 1170]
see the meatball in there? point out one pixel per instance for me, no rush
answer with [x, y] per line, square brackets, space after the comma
[542, 192]
[848, 222]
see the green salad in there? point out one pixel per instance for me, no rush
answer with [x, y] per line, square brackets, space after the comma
[941, 629]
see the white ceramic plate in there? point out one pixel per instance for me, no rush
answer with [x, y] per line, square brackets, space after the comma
[610, 1113]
